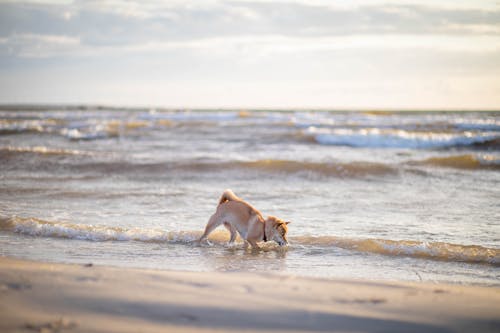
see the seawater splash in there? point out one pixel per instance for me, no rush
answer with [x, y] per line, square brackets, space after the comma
[396, 248]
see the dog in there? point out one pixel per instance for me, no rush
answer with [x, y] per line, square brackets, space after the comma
[239, 217]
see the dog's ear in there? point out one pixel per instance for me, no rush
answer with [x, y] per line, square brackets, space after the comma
[288, 222]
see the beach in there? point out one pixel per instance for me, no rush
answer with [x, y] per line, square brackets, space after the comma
[409, 196]
[361, 141]
[48, 297]
[394, 221]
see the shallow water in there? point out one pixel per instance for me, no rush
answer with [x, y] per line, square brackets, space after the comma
[399, 196]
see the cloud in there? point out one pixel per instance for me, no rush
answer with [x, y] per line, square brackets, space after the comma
[38, 46]
[158, 19]
[327, 49]
[95, 27]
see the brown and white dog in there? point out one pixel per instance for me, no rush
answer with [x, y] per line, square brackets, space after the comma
[240, 217]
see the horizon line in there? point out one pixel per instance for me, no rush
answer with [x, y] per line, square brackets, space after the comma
[117, 107]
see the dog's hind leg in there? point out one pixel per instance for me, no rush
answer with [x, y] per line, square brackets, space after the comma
[213, 223]
[233, 232]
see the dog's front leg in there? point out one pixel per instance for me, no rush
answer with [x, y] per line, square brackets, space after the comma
[254, 244]
[213, 223]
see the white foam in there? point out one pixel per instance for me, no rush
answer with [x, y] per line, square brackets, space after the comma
[489, 160]
[76, 134]
[45, 150]
[487, 124]
[417, 249]
[21, 126]
[376, 138]
[40, 228]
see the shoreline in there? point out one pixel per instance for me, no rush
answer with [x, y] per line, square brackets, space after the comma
[51, 297]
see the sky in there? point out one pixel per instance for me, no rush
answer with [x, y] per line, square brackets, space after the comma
[344, 54]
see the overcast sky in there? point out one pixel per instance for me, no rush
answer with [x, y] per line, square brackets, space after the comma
[252, 54]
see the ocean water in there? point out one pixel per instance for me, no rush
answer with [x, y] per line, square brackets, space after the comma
[371, 195]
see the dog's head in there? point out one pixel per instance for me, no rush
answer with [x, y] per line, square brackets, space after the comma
[277, 231]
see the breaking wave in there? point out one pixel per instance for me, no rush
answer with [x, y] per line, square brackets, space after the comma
[40, 228]
[42, 150]
[406, 248]
[77, 129]
[396, 248]
[394, 130]
[465, 162]
[378, 138]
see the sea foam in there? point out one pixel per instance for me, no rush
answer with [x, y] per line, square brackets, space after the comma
[397, 248]
[377, 138]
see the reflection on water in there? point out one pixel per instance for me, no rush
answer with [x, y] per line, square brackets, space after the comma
[258, 260]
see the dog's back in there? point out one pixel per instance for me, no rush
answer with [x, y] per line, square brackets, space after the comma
[229, 195]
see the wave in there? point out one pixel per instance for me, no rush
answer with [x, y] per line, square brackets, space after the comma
[426, 130]
[40, 228]
[197, 116]
[325, 169]
[396, 248]
[377, 138]
[105, 129]
[406, 248]
[8, 126]
[42, 150]
[478, 124]
[354, 169]
[297, 168]
[282, 167]
[78, 129]
[465, 162]
[267, 166]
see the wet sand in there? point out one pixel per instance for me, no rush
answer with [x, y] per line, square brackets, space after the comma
[46, 297]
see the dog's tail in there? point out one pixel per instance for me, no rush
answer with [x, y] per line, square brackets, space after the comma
[228, 195]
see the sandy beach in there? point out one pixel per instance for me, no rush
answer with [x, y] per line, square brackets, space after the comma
[361, 140]
[47, 297]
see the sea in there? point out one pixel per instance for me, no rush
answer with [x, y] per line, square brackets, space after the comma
[377, 195]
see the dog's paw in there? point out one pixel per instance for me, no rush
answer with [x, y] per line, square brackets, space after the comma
[232, 245]
[205, 242]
